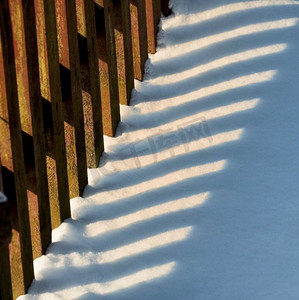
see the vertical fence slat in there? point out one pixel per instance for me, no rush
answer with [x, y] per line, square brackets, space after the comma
[153, 13]
[123, 40]
[62, 207]
[158, 11]
[112, 64]
[23, 278]
[150, 24]
[90, 81]
[24, 90]
[47, 114]
[76, 97]
[72, 95]
[157, 14]
[107, 66]
[165, 7]
[139, 36]
[40, 166]
[128, 47]
[93, 63]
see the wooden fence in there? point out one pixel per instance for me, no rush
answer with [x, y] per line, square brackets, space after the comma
[65, 65]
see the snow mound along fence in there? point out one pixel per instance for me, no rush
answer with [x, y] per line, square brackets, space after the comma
[65, 66]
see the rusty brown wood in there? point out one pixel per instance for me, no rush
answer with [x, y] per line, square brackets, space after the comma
[139, 36]
[47, 114]
[18, 30]
[43, 224]
[123, 40]
[165, 7]
[157, 12]
[153, 13]
[23, 274]
[107, 66]
[72, 95]
[76, 96]
[80, 12]
[150, 25]
[90, 80]
[57, 165]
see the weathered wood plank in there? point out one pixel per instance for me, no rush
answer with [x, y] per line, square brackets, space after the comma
[153, 13]
[47, 114]
[40, 166]
[157, 13]
[76, 95]
[139, 36]
[107, 66]
[150, 25]
[60, 210]
[165, 7]
[18, 31]
[123, 40]
[90, 81]
[72, 95]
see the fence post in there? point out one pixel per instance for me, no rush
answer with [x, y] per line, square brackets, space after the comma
[108, 66]
[139, 36]
[165, 7]
[123, 40]
[90, 80]
[30, 106]
[40, 168]
[60, 206]
[72, 95]
[153, 13]
[22, 260]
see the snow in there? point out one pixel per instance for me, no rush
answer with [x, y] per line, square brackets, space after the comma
[2, 198]
[197, 197]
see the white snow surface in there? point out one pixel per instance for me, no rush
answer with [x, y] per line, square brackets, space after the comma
[3, 198]
[197, 197]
